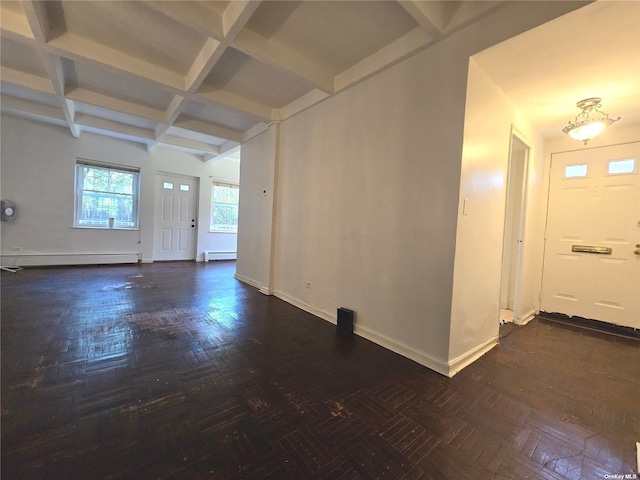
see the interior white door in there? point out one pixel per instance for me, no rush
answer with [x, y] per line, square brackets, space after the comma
[175, 218]
[594, 201]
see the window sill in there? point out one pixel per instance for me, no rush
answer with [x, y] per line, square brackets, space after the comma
[106, 228]
[222, 231]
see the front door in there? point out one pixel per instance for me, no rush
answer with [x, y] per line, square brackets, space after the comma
[175, 218]
[591, 269]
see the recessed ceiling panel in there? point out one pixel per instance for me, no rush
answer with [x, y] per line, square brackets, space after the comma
[336, 34]
[84, 75]
[130, 27]
[245, 76]
[15, 7]
[22, 58]
[219, 116]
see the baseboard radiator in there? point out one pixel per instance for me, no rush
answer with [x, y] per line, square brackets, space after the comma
[210, 256]
[54, 259]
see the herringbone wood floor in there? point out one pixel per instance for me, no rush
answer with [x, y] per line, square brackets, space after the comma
[176, 370]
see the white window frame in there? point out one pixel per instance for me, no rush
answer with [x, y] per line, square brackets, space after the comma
[104, 223]
[212, 228]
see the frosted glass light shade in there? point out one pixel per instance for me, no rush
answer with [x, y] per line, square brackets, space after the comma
[587, 132]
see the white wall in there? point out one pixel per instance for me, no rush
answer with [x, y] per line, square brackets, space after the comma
[255, 216]
[368, 184]
[38, 171]
[479, 242]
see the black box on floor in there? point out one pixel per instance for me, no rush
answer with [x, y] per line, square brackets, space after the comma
[345, 320]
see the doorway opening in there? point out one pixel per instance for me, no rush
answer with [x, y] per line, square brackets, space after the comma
[510, 287]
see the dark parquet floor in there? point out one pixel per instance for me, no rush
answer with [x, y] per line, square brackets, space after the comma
[178, 371]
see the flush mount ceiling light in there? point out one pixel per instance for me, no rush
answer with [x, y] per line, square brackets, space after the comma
[590, 122]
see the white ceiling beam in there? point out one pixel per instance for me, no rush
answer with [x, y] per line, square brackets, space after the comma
[114, 129]
[201, 20]
[299, 105]
[210, 158]
[173, 112]
[18, 106]
[82, 50]
[229, 148]
[470, 11]
[53, 64]
[432, 16]
[36, 15]
[26, 80]
[286, 59]
[191, 145]
[115, 104]
[388, 55]
[39, 23]
[236, 102]
[209, 129]
[254, 131]
[208, 56]
[236, 16]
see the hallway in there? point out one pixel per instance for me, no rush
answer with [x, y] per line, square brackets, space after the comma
[176, 370]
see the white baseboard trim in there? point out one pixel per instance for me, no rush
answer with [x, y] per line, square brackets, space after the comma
[63, 259]
[448, 369]
[306, 307]
[373, 336]
[247, 280]
[458, 363]
[254, 283]
[403, 349]
[527, 317]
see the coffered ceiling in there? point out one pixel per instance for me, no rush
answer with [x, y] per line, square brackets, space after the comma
[201, 76]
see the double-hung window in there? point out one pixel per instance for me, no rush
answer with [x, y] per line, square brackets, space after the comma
[107, 196]
[224, 208]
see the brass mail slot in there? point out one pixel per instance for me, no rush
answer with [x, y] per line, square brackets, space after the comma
[591, 249]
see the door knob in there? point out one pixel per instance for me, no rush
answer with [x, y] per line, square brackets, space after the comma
[637, 249]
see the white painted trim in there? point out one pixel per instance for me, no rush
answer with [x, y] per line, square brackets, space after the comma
[471, 356]
[265, 291]
[247, 280]
[378, 338]
[448, 369]
[306, 307]
[62, 259]
[527, 317]
[403, 349]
